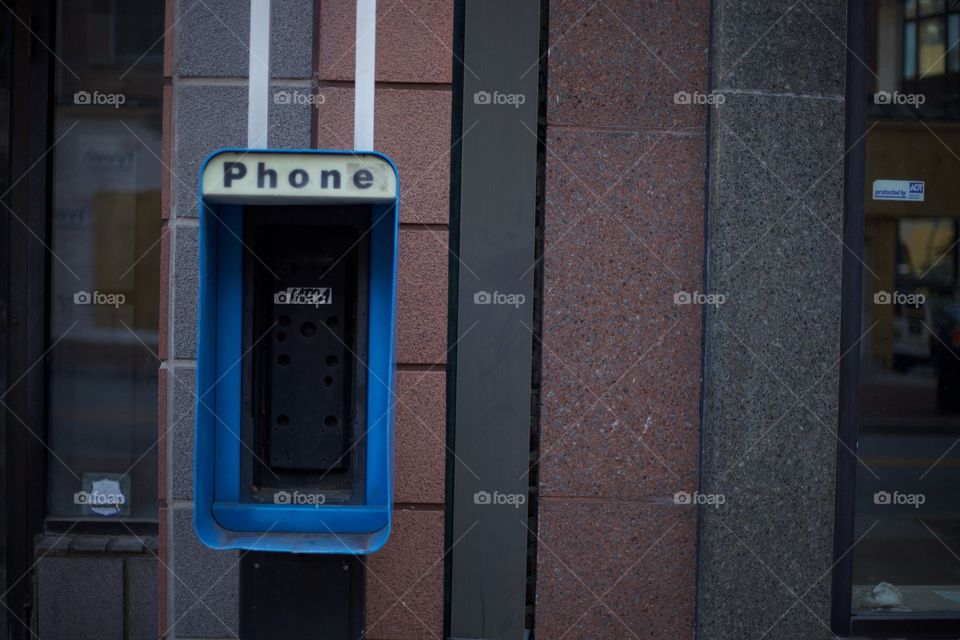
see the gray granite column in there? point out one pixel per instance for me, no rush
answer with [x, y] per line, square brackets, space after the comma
[775, 204]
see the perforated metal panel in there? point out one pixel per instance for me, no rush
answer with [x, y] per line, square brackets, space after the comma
[305, 338]
[307, 404]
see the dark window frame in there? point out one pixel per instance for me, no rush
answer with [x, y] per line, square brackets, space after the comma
[27, 264]
[844, 622]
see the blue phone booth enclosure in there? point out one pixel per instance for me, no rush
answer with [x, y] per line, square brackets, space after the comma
[295, 357]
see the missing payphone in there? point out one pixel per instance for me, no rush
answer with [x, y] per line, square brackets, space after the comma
[295, 363]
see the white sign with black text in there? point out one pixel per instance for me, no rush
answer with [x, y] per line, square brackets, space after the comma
[298, 178]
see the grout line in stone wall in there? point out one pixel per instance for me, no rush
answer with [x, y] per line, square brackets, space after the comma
[694, 132]
[425, 367]
[406, 86]
[224, 81]
[665, 500]
[418, 506]
[424, 226]
[166, 552]
[185, 363]
[781, 94]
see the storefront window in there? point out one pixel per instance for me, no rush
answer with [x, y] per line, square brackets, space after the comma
[106, 260]
[907, 558]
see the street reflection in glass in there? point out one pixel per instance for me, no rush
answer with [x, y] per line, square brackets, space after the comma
[907, 557]
[106, 270]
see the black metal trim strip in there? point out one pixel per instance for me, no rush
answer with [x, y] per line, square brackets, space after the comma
[849, 401]
[453, 293]
[533, 473]
[905, 626]
[28, 264]
[493, 230]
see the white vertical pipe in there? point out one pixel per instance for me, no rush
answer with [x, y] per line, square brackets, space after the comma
[365, 74]
[258, 99]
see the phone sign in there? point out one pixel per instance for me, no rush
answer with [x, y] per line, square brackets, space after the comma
[902, 190]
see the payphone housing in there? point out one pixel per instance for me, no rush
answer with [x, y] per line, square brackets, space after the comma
[295, 360]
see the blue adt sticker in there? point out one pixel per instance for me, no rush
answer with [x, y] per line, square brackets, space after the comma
[904, 190]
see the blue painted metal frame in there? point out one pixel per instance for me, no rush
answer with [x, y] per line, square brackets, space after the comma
[221, 520]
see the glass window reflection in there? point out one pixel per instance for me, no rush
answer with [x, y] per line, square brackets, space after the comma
[106, 271]
[907, 509]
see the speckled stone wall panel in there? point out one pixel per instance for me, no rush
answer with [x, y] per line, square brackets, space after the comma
[619, 63]
[205, 585]
[211, 38]
[405, 579]
[421, 437]
[414, 41]
[621, 359]
[413, 128]
[644, 585]
[780, 46]
[422, 297]
[772, 349]
[621, 366]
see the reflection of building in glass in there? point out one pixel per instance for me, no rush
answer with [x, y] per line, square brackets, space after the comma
[915, 50]
[106, 229]
[910, 360]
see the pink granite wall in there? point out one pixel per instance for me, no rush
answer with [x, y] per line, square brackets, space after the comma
[414, 65]
[621, 361]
